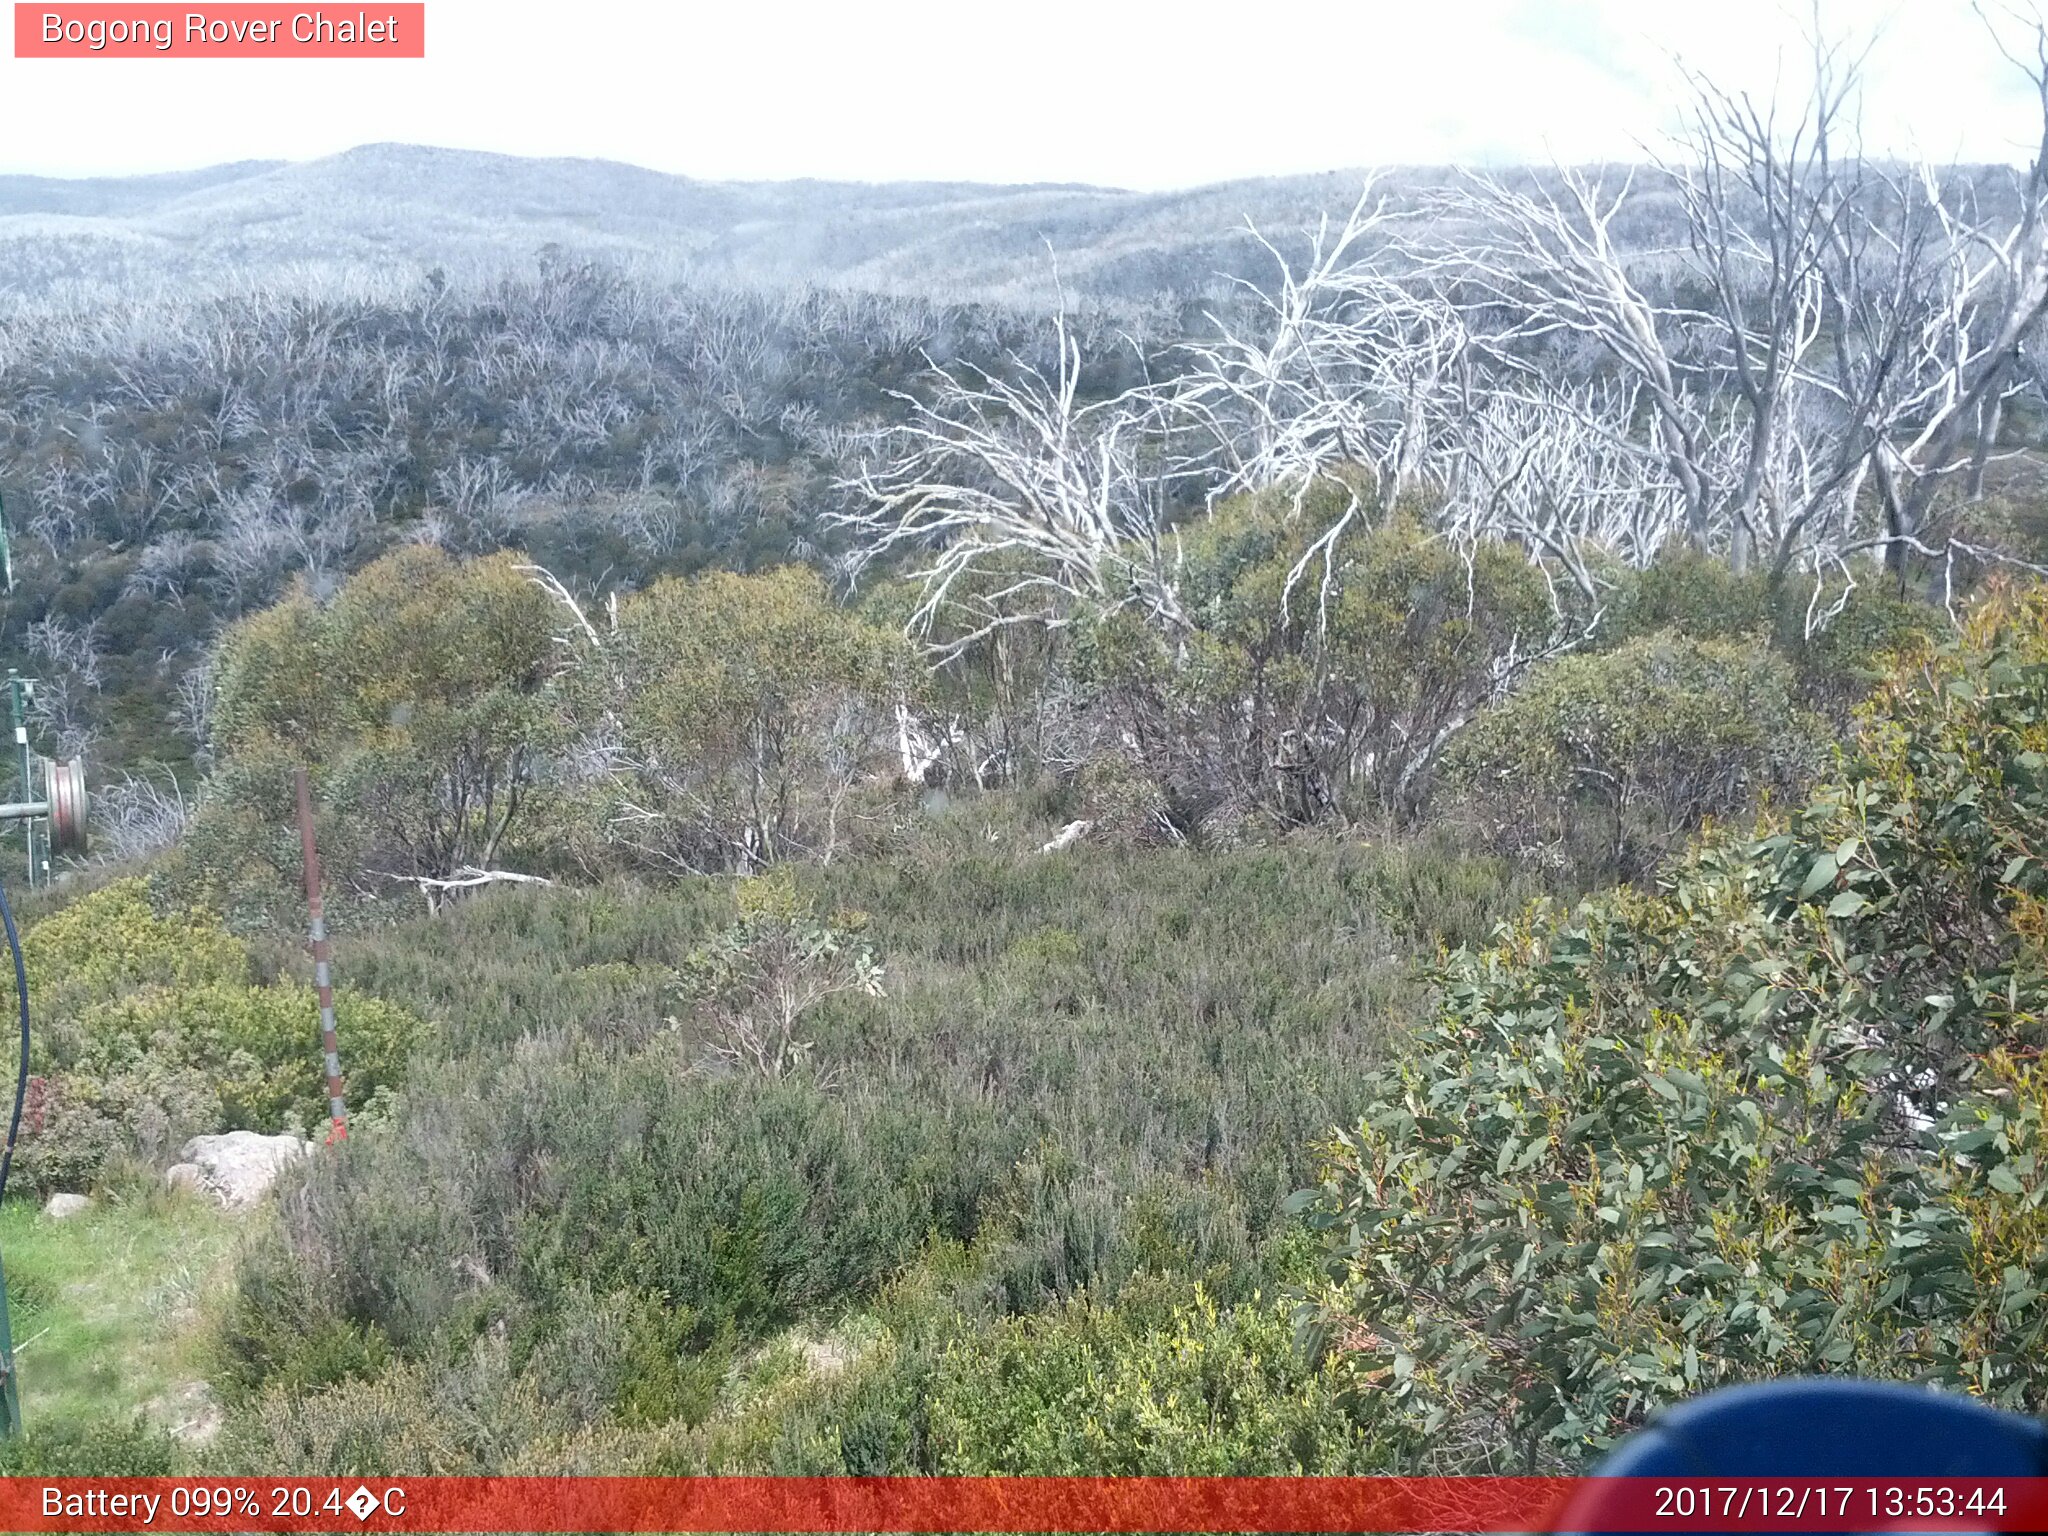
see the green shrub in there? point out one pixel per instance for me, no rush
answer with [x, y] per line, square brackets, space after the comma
[1331, 697]
[1693, 593]
[112, 1447]
[1613, 758]
[84, 1123]
[470, 1415]
[148, 1031]
[1840, 662]
[1125, 804]
[743, 712]
[1160, 1385]
[1785, 1115]
[744, 1202]
[280, 1332]
[417, 698]
[995, 687]
[756, 980]
[1163, 1376]
[1839, 641]
[628, 1356]
[258, 1046]
[114, 942]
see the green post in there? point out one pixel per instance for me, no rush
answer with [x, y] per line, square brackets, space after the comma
[10, 1397]
[17, 701]
[19, 691]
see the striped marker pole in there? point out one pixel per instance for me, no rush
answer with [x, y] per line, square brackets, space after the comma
[323, 976]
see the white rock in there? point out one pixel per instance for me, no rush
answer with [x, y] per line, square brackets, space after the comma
[239, 1167]
[185, 1176]
[61, 1206]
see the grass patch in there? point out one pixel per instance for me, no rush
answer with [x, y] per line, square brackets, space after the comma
[108, 1308]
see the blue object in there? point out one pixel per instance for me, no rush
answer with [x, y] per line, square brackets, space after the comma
[1826, 1427]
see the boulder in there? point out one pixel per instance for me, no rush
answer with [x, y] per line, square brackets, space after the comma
[238, 1167]
[61, 1206]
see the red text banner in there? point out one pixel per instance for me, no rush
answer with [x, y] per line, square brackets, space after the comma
[224, 31]
[1050, 1504]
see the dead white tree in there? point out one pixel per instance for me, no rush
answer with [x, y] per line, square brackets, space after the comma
[1982, 302]
[1342, 366]
[1841, 326]
[138, 817]
[1020, 500]
[1348, 371]
[1545, 467]
[1546, 260]
[1771, 201]
[71, 650]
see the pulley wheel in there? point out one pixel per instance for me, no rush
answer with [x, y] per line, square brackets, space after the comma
[64, 788]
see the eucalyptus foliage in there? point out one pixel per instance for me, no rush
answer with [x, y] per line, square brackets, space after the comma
[1786, 1114]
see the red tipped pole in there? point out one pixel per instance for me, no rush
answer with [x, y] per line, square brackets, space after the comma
[323, 976]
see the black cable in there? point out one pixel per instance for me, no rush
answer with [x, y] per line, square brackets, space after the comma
[21, 998]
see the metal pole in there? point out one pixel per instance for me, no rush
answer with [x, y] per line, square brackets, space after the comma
[17, 709]
[10, 1394]
[323, 977]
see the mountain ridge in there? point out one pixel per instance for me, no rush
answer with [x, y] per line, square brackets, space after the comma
[393, 206]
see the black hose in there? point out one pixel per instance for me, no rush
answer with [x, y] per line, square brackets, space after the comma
[21, 998]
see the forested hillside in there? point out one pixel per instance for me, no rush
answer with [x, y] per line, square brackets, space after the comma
[170, 466]
[1383, 863]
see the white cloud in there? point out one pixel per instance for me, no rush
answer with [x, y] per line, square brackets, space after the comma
[1128, 92]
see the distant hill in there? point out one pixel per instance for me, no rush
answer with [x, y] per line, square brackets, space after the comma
[396, 209]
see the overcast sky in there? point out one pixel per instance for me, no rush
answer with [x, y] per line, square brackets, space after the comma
[1133, 93]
